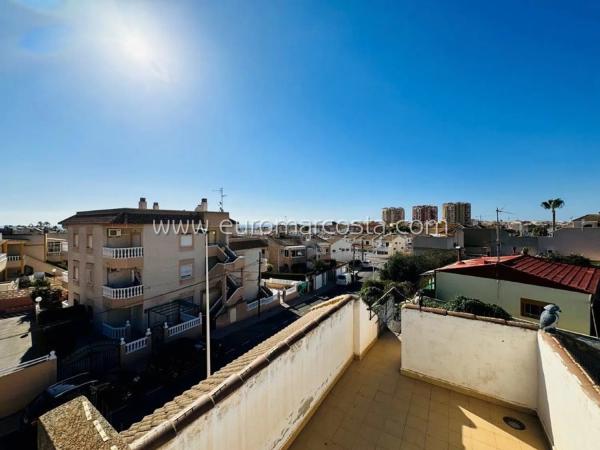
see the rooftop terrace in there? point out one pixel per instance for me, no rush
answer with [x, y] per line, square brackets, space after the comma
[333, 380]
[374, 406]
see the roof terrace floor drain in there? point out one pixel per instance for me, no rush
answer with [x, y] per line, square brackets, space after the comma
[514, 423]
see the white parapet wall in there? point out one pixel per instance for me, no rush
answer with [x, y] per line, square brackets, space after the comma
[267, 409]
[569, 403]
[476, 355]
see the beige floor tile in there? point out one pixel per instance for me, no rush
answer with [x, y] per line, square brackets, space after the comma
[373, 406]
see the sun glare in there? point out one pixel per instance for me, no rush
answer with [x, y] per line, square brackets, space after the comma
[137, 48]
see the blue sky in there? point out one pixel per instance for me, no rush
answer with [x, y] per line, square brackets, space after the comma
[299, 109]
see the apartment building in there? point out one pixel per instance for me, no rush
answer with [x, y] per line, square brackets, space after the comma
[287, 253]
[458, 212]
[424, 213]
[147, 267]
[392, 214]
[31, 250]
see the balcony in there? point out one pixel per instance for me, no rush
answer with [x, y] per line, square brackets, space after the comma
[13, 261]
[123, 297]
[123, 257]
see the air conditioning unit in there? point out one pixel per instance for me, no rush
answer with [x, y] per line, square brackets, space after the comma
[114, 232]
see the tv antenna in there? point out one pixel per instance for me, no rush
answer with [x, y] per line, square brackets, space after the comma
[498, 243]
[222, 196]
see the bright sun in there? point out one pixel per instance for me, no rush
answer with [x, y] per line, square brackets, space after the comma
[137, 48]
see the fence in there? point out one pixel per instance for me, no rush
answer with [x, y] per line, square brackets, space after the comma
[182, 327]
[263, 301]
[26, 364]
[116, 332]
[136, 345]
[20, 384]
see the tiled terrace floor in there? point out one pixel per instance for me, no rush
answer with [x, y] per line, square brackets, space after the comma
[373, 406]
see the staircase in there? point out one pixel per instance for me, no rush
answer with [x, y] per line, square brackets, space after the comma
[234, 292]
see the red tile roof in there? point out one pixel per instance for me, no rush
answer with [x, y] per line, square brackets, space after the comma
[586, 279]
[531, 270]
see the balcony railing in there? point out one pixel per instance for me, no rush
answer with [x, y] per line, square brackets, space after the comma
[14, 258]
[122, 293]
[184, 326]
[136, 345]
[123, 253]
[116, 332]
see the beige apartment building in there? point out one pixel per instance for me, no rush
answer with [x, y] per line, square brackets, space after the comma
[27, 252]
[146, 268]
[424, 213]
[457, 213]
[392, 214]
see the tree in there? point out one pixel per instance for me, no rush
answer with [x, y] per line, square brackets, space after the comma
[553, 204]
[51, 296]
[401, 267]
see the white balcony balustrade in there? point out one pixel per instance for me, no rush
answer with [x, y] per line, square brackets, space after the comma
[123, 252]
[14, 258]
[116, 332]
[122, 293]
[184, 326]
[137, 345]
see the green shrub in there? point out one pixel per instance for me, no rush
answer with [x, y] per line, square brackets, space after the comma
[577, 260]
[469, 305]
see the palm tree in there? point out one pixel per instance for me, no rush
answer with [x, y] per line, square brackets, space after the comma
[553, 204]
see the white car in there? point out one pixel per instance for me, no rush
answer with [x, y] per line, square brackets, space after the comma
[343, 279]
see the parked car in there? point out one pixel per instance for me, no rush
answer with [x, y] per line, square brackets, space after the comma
[57, 394]
[343, 279]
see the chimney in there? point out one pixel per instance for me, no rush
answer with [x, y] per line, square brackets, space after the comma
[142, 204]
[203, 206]
[155, 205]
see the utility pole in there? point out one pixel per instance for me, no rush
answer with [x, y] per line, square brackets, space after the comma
[222, 197]
[498, 245]
[208, 371]
[498, 242]
[352, 263]
[259, 258]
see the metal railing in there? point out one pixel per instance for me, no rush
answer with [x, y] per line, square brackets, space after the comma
[183, 326]
[123, 253]
[26, 364]
[122, 293]
[116, 332]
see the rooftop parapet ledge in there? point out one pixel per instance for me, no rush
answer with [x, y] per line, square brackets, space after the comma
[77, 425]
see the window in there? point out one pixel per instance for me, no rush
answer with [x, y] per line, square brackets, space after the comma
[89, 273]
[532, 308]
[286, 253]
[76, 240]
[186, 240]
[54, 247]
[75, 270]
[90, 241]
[186, 271]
